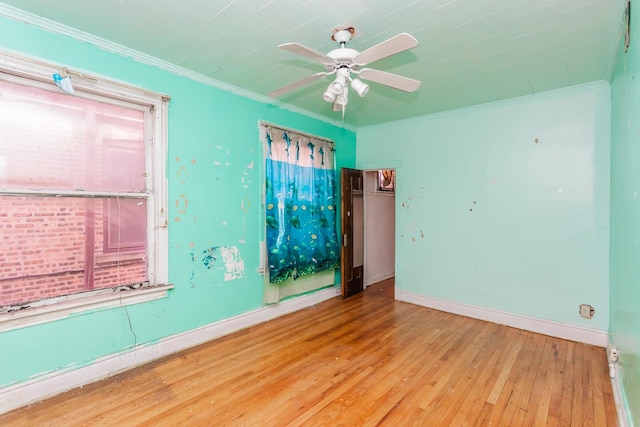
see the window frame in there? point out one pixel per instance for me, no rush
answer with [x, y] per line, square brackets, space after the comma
[19, 69]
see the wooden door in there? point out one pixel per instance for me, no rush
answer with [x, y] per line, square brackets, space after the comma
[351, 267]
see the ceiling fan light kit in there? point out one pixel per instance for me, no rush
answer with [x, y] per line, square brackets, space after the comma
[344, 61]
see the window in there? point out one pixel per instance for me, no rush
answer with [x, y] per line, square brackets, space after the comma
[82, 188]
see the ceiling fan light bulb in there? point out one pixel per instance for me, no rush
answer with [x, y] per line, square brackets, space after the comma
[336, 88]
[328, 95]
[338, 85]
[360, 87]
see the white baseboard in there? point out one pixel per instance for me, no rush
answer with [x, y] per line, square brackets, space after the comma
[619, 401]
[18, 395]
[547, 327]
[618, 397]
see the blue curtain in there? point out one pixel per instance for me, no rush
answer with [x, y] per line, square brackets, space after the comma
[300, 199]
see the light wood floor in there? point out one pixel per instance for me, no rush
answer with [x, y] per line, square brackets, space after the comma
[385, 289]
[367, 360]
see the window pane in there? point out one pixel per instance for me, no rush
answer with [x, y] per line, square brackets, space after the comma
[50, 140]
[56, 246]
[125, 225]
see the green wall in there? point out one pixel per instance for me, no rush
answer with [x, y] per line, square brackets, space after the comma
[213, 162]
[506, 205]
[625, 217]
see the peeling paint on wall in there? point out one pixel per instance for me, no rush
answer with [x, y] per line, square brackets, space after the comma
[182, 175]
[182, 204]
[209, 257]
[231, 258]
[245, 205]
[233, 262]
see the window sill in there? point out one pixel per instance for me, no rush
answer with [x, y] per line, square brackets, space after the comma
[80, 303]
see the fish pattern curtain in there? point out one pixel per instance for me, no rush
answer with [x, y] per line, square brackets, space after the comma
[300, 200]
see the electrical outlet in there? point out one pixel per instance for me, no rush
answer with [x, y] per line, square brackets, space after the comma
[586, 311]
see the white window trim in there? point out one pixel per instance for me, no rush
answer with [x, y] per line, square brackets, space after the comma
[56, 308]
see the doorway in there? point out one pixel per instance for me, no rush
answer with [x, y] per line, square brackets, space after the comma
[379, 226]
[368, 219]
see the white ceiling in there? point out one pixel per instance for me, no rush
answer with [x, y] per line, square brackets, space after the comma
[470, 52]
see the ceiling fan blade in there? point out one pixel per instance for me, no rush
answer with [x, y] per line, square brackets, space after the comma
[296, 85]
[299, 49]
[388, 79]
[397, 44]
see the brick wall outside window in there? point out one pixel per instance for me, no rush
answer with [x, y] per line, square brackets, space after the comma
[44, 250]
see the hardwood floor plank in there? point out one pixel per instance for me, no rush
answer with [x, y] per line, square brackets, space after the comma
[524, 388]
[599, 413]
[498, 409]
[367, 360]
[507, 364]
[566, 408]
[436, 375]
[540, 397]
[558, 364]
[473, 396]
[577, 401]
[483, 369]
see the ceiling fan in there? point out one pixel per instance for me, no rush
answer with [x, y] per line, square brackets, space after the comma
[344, 61]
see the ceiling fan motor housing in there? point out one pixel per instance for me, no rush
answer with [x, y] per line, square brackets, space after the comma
[342, 36]
[343, 56]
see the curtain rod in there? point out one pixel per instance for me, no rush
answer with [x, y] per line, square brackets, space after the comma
[308, 135]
